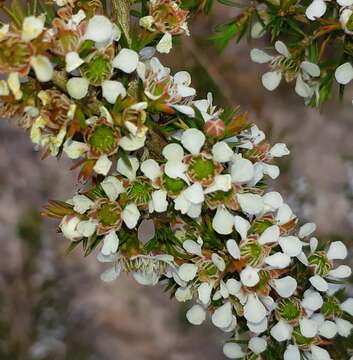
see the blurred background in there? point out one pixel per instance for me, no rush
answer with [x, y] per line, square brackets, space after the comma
[53, 306]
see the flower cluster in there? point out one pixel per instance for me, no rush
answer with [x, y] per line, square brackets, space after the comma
[313, 41]
[174, 188]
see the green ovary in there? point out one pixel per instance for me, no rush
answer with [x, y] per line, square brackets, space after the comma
[97, 70]
[102, 138]
[289, 309]
[202, 168]
[139, 192]
[174, 186]
[108, 215]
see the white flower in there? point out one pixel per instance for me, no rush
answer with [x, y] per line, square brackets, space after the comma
[130, 215]
[159, 201]
[344, 73]
[242, 170]
[292, 353]
[270, 235]
[82, 203]
[249, 276]
[233, 248]
[77, 87]
[113, 89]
[68, 226]
[279, 150]
[316, 9]
[278, 260]
[223, 316]
[196, 315]
[218, 262]
[87, 228]
[187, 272]
[204, 292]
[42, 67]
[165, 44]
[99, 29]
[223, 221]
[32, 27]
[103, 165]
[251, 204]
[257, 345]
[73, 61]
[254, 310]
[111, 274]
[128, 170]
[193, 140]
[75, 149]
[233, 351]
[110, 244]
[285, 287]
[222, 152]
[241, 226]
[183, 294]
[281, 331]
[192, 247]
[112, 187]
[126, 60]
[132, 142]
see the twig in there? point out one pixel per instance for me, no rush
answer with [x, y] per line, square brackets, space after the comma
[121, 14]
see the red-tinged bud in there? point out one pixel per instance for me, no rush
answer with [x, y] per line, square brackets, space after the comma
[214, 128]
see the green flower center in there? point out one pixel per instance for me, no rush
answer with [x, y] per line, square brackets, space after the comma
[252, 250]
[140, 192]
[102, 138]
[108, 214]
[174, 186]
[97, 70]
[201, 168]
[289, 309]
[331, 307]
[321, 263]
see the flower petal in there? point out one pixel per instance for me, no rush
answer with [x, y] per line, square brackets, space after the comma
[223, 221]
[193, 140]
[344, 73]
[316, 9]
[187, 272]
[159, 199]
[242, 171]
[222, 317]
[99, 29]
[110, 243]
[251, 204]
[222, 152]
[126, 60]
[113, 89]
[150, 169]
[233, 248]
[282, 331]
[254, 310]
[77, 87]
[112, 187]
[233, 351]
[271, 80]
[285, 287]
[270, 235]
[196, 315]
[241, 226]
[130, 215]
